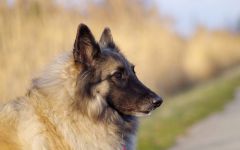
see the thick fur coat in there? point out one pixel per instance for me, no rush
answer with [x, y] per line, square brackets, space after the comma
[88, 99]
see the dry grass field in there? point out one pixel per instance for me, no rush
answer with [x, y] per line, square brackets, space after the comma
[33, 32]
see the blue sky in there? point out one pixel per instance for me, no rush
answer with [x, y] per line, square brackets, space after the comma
[213, 14]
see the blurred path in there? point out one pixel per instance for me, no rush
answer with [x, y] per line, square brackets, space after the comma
[218, 132]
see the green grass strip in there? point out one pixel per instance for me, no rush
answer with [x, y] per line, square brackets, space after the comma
[159, 131]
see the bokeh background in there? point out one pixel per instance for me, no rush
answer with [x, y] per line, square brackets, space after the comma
[188, 51]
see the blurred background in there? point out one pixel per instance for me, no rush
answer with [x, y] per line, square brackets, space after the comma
[188, 51]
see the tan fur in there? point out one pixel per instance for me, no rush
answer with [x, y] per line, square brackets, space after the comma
[86, 100]
[44, 119]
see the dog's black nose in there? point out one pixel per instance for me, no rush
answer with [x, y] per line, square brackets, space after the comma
[157, 101]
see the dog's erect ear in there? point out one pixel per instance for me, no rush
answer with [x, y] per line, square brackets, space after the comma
[106, 40]
[85, 47]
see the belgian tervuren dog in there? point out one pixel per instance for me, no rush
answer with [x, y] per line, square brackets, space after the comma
[88, 99]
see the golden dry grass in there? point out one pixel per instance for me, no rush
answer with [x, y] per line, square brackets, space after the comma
[32, 33]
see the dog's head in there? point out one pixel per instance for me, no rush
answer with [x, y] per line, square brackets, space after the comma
[108, 78]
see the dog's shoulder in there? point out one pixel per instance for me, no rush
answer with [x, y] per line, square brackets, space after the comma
[9, 120]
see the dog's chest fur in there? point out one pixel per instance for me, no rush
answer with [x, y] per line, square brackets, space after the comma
[64, 131]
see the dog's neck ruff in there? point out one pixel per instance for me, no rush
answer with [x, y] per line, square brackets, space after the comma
[57, 87]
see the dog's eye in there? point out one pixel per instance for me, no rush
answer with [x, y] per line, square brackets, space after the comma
[118, 75]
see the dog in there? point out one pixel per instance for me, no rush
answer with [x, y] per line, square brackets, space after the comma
[87, 99]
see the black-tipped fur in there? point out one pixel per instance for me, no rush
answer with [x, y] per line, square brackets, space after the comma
[106, 40]
[88, 99]
[85, 47]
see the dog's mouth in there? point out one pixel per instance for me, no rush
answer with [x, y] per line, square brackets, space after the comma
[138, 111]
[141, 113]
[145, 112]
[132, 112]
[151, 107]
